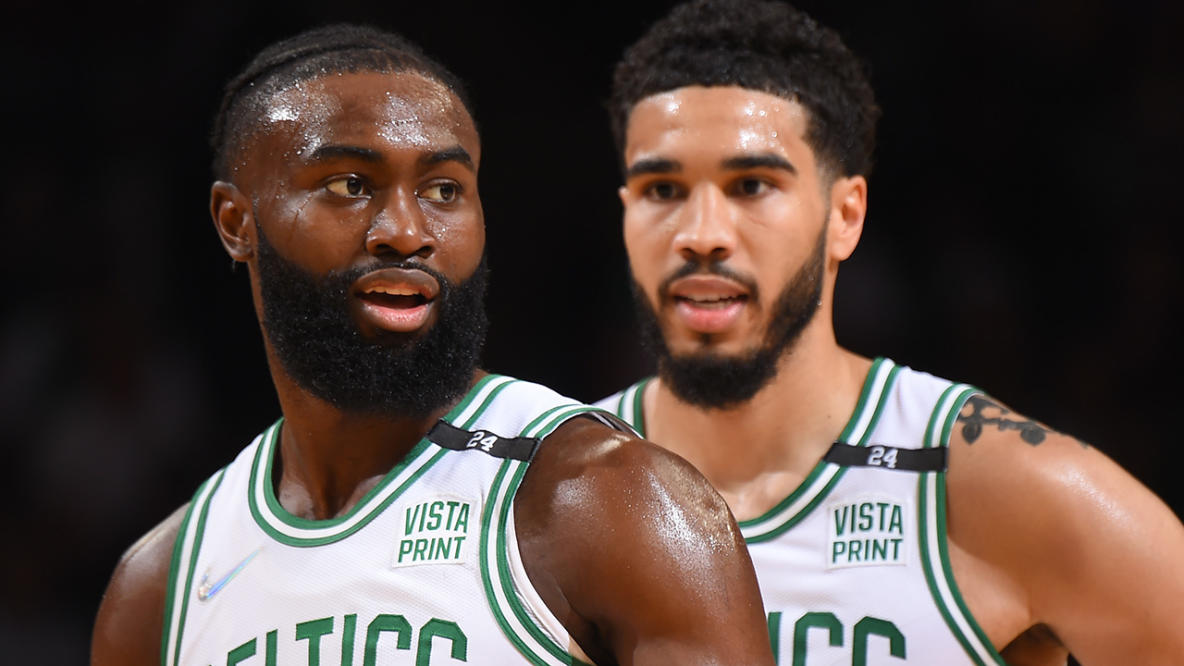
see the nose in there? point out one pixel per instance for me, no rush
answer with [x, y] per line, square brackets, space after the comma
[400, 228]
[707, 230]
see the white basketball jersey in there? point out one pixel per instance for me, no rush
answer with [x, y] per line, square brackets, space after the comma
[853, 565]
[425, 570]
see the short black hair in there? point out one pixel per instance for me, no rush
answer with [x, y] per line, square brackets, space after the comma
[767, 46]
[330, 49]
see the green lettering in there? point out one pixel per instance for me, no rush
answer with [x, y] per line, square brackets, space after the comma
[238, 654]
[312, 632]
[434, 514]
[865, 516]
[875, 626]
[405, 547]
[462, 521]
[775, 633]
[421, 550]
[444, 629]
[269, 648]
[396, 624]
[810, 621]
[347, 639]
[836, 549]
[841, 520]
[896, 548]
[854, 550]
[452, 504]
[409, 519]
[879, 549]
[896, 522]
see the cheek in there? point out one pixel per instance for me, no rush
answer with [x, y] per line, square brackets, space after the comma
[460, 240]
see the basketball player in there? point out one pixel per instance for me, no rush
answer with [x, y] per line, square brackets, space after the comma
[407, 507]
[892, 516]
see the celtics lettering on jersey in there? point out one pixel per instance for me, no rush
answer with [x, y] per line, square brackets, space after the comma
[435, 532]
[330, 637]
[822, 634]
[870, 531]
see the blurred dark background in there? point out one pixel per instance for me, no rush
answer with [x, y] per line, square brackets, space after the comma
[1023, 236]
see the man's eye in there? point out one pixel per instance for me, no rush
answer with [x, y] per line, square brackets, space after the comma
[662, 191]
[750, 187]
[348, 186]
[441, 192]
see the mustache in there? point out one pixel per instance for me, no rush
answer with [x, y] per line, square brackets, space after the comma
[352, 274]
[707, 268]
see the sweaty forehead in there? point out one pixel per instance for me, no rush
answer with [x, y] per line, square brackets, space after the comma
[402, 110]
[717, 119]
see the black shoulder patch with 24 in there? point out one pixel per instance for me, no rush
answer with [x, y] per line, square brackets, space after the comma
[451, 437]
[889, 457]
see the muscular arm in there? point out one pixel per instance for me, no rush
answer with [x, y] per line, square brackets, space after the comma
[128, 628]
[1071, 544]
[636, 554]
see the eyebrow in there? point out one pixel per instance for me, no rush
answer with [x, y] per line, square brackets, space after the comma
[655, 165]
[453, 154]
[652, 165]
[764, 160]
[334, 151]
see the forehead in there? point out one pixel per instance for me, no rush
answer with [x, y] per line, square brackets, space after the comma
[698, 120]
[402, 110]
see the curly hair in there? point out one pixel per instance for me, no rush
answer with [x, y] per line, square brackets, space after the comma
[331, 49]
[766, 46]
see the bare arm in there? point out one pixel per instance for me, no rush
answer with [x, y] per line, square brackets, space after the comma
[1087, 551]
[636, 554]
[129, 624]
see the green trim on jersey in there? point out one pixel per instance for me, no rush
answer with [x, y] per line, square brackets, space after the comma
[517, 623]
[629, 406]
[935, 559]
[814, 489]
[292, 530]
[188, 543]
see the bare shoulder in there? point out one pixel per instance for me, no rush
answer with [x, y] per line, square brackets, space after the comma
[636, 553]
[1072, 541]
[129, 623]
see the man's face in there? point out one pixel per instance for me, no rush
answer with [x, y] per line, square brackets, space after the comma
[369, 235]
[725, 224]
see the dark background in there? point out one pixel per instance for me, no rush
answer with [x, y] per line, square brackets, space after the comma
[1023, 236]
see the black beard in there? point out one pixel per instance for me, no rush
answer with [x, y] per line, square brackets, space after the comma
[716, 381]
[308, 322]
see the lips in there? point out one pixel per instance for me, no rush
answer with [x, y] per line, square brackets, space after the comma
[396, 299]
[707, 303]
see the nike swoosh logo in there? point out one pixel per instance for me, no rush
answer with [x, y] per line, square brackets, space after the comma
[206, 589]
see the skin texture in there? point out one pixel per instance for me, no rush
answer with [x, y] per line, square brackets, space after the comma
[344, 171]
[1055, 548]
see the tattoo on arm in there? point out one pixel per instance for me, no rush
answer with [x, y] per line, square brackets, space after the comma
[980, 412]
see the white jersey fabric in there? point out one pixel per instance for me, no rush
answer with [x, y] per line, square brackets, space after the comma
[853, 564]
[425, 570]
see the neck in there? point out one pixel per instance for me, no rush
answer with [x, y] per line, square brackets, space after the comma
[757, 452]
[328, 458]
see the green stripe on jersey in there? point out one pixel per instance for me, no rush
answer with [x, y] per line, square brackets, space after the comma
[185, 552]
[932, 518]
[814, 489]
[292, 530]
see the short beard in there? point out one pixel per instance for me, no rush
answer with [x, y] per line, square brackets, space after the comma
[318, 343]
[716, 381]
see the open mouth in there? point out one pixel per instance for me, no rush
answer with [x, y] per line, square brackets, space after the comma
[711, 302]
[391, 299]
[397, 299]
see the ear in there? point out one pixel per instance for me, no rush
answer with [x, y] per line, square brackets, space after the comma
[234, 219]
[848, 207]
